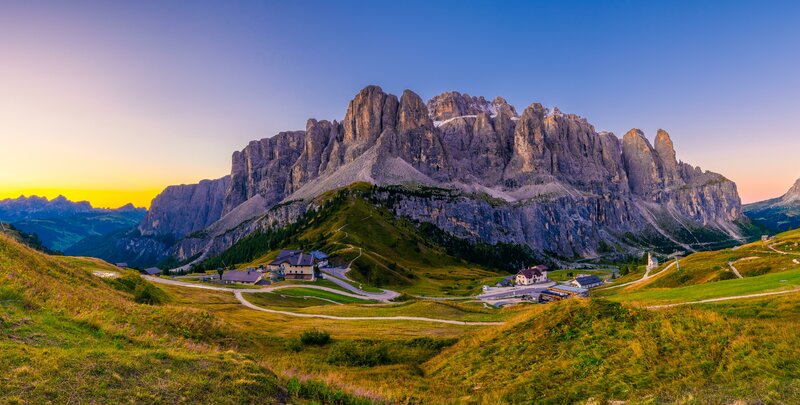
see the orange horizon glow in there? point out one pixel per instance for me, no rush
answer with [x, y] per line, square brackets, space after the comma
[98, 198]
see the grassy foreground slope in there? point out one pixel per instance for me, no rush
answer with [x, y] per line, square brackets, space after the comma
[68, 336]
[580, 349]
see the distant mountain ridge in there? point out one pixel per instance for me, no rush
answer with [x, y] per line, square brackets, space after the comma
[778, 214]
[541, 178]
[60, 223]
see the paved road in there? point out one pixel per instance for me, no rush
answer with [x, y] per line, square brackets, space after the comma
[512, 292]
[338, 275]
[238, 294]
[248, 304]
[736, 297]
[250, 290]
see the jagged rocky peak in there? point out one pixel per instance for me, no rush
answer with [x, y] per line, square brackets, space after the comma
[368, 114]
[641, 163]
[793, 195]
[453, 104]
[262, 167]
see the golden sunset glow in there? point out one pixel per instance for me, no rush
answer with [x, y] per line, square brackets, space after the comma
[98, 198]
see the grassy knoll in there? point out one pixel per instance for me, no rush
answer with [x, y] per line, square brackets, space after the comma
[785, 280]
[430, 309]
[277, 300]
[311, 292]
[319, 281]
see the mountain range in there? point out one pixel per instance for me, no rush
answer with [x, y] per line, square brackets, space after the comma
[475, 168]
[778, 214]
[60, 223]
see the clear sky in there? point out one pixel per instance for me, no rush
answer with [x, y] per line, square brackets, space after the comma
[111, 102]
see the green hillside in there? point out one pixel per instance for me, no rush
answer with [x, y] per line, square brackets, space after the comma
[774, 216]
[69, 336]
[385, 251]
[62, 232]
[29, 240]
[579, 349]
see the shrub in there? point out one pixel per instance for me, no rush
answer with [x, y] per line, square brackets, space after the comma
[363, 354]
[293, 345]
[318, 391]
[430, 343]
[146, 293]
[315, 337]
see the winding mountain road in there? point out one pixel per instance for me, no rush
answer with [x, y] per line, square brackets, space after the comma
[238, 294]
[242, 300]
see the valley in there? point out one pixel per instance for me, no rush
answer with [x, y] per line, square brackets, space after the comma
[603, 347]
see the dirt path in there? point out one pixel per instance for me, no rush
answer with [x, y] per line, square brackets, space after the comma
[772, 247]
[250, 305]
[735, 297]
[646, 276]
[734, 270]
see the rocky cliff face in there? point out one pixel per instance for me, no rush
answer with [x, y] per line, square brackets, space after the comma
[180, 210]
[557, 184]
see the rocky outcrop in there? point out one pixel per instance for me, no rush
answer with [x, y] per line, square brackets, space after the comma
[180, 210]
[263, 167]
[563, 187]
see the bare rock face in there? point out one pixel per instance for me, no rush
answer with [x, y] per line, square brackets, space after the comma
[180, 210]
[665, 151]
[263, 168]
[562, 187]
[641, 164]
[529, 155]
[454, 104]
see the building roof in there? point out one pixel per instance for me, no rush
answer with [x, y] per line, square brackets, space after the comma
[283, 255]
[121, 264]
[241, 276]
[556, 293]
[565, 287]
[152, 270]
[300, 259]
[286, 253]
[535, 271]
[586, 280]
[318, 255]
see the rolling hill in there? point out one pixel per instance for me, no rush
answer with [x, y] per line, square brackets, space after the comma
[67, 335]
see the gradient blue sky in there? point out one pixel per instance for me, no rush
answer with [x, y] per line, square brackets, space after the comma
[117, 100]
